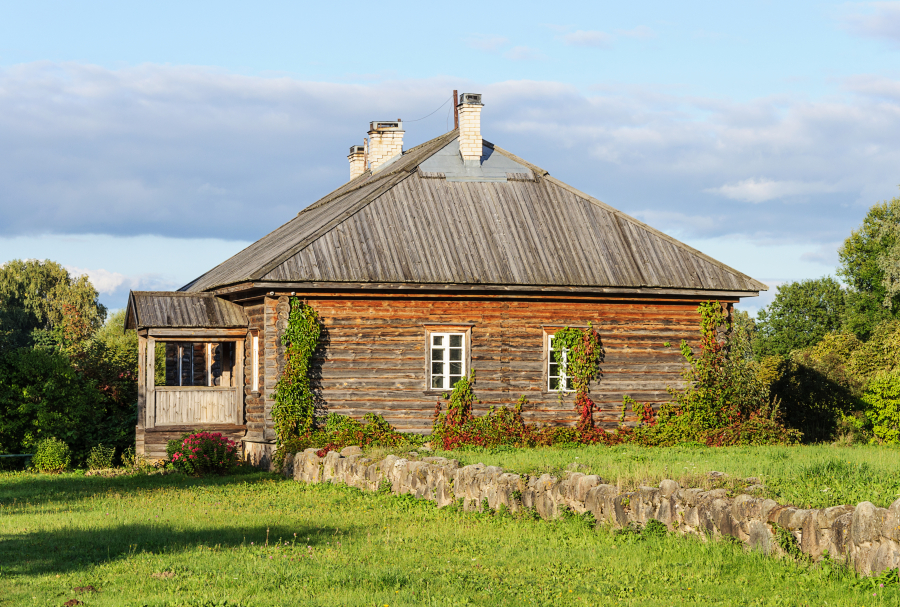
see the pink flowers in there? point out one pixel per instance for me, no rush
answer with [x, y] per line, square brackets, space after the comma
[203, 452]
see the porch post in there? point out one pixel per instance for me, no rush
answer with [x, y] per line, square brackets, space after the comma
[151, 384]
[239, 380]
[142, 395]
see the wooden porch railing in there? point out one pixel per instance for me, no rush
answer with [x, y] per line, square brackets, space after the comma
[185, 405]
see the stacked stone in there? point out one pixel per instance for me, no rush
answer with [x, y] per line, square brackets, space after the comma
[869, 536]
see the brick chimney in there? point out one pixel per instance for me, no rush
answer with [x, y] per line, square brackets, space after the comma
[385, 141]
[470, 128]
[357, 160]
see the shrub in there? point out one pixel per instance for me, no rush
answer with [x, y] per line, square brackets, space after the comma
[203, 453]
[101, 457]
[725, 401]
[343, 431]
[51, 455]
[883, 400]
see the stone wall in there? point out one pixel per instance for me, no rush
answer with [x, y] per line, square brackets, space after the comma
[867, 535]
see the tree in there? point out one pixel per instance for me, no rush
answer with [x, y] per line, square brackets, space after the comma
[801, 315]
[40, 301]
[864, 257]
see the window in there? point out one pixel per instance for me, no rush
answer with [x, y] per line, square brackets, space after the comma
[556, 373]
[447, 359]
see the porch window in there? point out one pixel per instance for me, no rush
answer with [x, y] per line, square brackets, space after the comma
[447, 359]
[182, 363]
[557, 378]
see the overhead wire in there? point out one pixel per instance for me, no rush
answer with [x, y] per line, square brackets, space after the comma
[432, 113]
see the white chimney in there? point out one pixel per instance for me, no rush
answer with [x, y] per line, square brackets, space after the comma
[470, 128]
[357, 160]
[385, 141]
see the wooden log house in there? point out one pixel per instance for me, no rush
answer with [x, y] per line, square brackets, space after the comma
[449, 258]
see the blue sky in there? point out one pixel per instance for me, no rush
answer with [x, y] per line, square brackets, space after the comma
[143, 144]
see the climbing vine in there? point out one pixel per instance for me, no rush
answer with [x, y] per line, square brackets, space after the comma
[295, 402]
[579, 354]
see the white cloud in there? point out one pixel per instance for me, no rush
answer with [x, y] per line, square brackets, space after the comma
[641, 32]
[103, 280]
[874, 20]
[762, 190]
[487, 43]
[591, 38]
[197, 153]
[524, 53]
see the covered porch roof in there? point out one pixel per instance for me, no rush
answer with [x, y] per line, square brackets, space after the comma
[148, 310]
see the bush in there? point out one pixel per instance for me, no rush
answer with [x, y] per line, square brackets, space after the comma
[51, 455]
[101, 458]
[883, 400]
[203, 453]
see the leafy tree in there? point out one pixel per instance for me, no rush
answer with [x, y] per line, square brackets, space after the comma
[800, 316]
[43, 396]
[40, 301]
[864, 256]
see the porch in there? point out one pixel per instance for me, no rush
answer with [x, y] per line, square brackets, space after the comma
[191, 367]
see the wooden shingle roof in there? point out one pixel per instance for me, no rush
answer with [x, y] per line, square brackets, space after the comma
[154, 309]
[417, 222]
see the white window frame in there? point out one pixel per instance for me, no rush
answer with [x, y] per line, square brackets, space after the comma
[445, 363]
[255, 360]
[564, 380]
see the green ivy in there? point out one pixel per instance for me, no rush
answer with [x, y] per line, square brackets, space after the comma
[295, 401]
[584, 353]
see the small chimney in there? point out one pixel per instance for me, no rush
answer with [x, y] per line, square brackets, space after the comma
[385, 141]
[470, 128]
[357, 160]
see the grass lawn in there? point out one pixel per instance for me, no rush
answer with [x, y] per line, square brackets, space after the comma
[256, 539]
[814, 476]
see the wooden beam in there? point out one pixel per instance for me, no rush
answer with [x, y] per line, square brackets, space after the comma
[283, 288]
[238, 416]
[190, 333]
[150, 401]
[142, 380]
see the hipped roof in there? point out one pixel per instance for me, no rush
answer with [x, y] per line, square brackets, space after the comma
[405, 225]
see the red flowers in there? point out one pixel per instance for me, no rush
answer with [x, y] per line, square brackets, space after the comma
[203, 452]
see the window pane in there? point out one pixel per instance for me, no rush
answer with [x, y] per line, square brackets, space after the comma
[437, 381]
[455, 368]
[554, 369]
[569, 384]
[455, 353]
[456, 341]
[437, 368]
[554, 383]
[437, 354]
[454, 379]
[437, 340]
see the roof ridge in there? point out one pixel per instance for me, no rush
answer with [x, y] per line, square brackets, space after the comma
[616, 212]
[408, 168]
[619, 214]
[344, 190]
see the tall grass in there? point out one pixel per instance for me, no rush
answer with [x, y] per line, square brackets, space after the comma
[260, 540]
[815, 476]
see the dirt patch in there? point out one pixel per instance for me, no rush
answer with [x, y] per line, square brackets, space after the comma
[162, 575]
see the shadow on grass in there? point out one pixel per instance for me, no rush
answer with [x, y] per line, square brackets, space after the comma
[61, 551]
[45, 489]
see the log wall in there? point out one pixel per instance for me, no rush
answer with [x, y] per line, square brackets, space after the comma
[373, 357]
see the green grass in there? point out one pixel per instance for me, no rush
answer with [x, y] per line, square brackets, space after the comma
[259, 540]
[809, 476]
